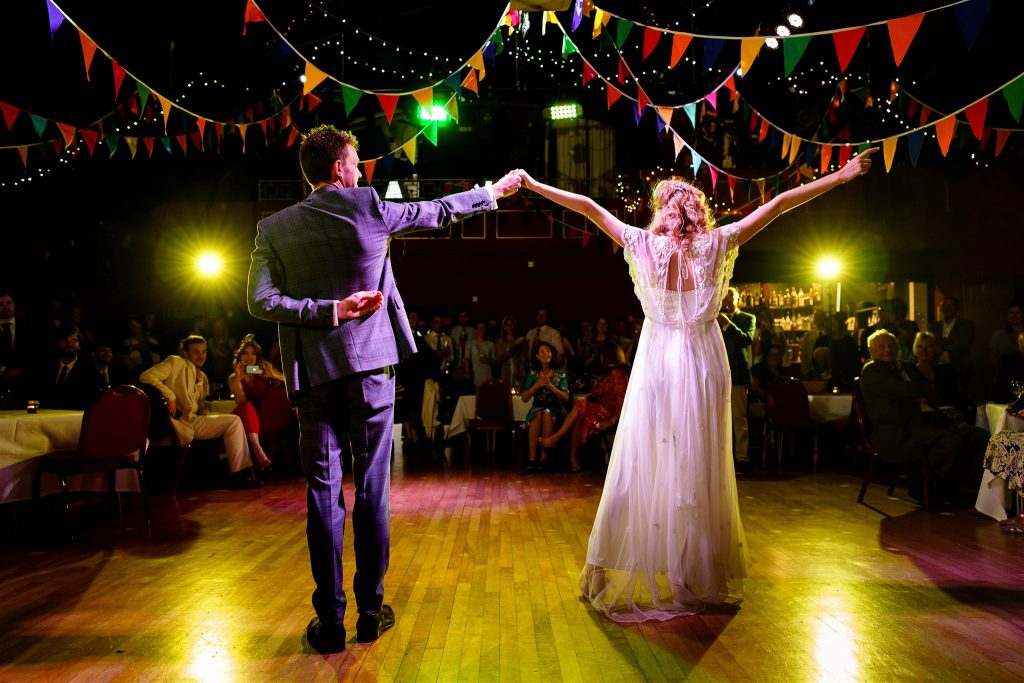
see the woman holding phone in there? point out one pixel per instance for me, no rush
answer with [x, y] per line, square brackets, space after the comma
[253, 379]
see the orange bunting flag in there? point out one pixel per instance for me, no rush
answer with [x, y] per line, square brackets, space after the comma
[1001, 137]
[425, 97]
[90, 137]
[786, 139]
[622, 70]
[944, 129]
[388, 104]
[182, 142]
[368, 168]
[794, 148]
[241, 130]
[469, 82]
[680, 42]
[410, 150]
[165, 107]
[88, 52]
[826, 157]
[889, 151]
[477, 62]
[651, 38]
[678, 143]
[665, 113]
[763, 133]
[615, 247]
[730, 84]
[844, 155]
[23, 153]
[252, 15]
[201, 125]
[68, 132]
[976, 117]
[749, 49]
[732, 187]
[291, 137]
[901, 34]
[613, 94]
[452, 107]
[846, 44]
[313, 76]
[760, 187]
[641, 100]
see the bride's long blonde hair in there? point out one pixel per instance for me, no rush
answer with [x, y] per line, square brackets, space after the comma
[694, 212]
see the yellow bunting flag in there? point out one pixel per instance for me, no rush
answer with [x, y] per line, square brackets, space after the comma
[760, 187]
[680, 42]
[794, 148]
[601, 19]
[68, 132]
[314, 77]
[785, 145]
[368, 168]
[477, 62]
[901, 34]
[133, 145]
[749, 49]
[452, 107]
[889, 151]
[425, 97]
[165, 107]
[410, 150]
[944, 129]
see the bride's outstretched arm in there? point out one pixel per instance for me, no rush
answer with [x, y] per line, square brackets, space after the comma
[601, 217]
[790, 199]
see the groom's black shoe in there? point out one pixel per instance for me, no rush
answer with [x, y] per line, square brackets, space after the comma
[324, 640]
[370, 626]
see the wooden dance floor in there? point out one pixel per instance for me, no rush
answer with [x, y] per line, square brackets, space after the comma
[483, 580]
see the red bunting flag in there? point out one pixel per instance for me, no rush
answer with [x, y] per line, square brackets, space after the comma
[586, 238]
[88, 52]
[388, 104]
[844, 155]
[613, 94]
[1002, 136]
[985, 136]
[90, 137]
[201, 125]
[588, 73]
[680, 41]
[252, 15]
[68, 132]
[622, 70]
[368, 168]
[10, 114]
[182, 142]
[148, 144]
[119, 74]
[763, 133]
[976, 116]
[311, 102]
[732, 187]
[911, 108]
[730, 83]
[944, 129]
[901, 34]
[846, 44]
[291, 137]
[826, 157]
[651, 38]
[641, 99]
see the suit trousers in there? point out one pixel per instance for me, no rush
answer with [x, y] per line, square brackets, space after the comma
[740, 429]
[360, 408]
[230, 428]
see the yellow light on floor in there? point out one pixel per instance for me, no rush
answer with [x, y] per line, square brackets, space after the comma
[209, 264]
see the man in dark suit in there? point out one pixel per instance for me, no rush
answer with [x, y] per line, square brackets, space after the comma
[738, 332]
[68, 382]
[307, 258]
[18, 352]
[894, 404]
[955, 336]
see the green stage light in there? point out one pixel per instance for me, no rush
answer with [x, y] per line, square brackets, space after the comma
[564, 112]
[434, 113]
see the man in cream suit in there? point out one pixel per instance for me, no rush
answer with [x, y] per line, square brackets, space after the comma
[184, 386]
[340, 372]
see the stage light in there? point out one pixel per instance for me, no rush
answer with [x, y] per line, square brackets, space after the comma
[209, 264]
[564, 112]
[434, 113]
[828, 267]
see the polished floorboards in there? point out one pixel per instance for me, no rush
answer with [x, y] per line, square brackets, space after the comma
[483, 579]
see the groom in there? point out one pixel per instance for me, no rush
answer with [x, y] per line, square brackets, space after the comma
[308, 257]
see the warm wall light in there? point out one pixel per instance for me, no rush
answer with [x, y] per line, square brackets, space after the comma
[209, 264]
[828, 267]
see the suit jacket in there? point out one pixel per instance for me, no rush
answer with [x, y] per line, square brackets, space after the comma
[80, 387]
[957, 345]
[893, 403]
[738, 336]
[320, 250]
[177, 379]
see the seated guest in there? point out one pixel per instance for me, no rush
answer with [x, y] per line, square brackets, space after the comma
[808, 342]
[763, 373]
[1004, 340]
[1010, 368]
[844, 358]
[890, 313]
[253, 380]
[899, 433]
[600, 410]
[480, 356]
[111, 373]
[820, 367]
[184, 386]
[548, 385]
[905, 338]
[955, 336]
[952, 392]
[66, 382]
[140, 348]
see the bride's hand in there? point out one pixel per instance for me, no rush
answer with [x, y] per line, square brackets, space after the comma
[858, 165]
[527, 180]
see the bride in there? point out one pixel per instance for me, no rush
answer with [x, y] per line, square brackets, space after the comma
[667, 537]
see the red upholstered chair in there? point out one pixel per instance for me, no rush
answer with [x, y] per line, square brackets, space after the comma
[493, 413]
[114, 436]
[860, 414]
[787, 411]
[276, 416]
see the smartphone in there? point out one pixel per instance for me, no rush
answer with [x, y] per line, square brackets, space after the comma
[254, 369]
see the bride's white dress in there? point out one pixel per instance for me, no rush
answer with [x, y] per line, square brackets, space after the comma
[667, 537]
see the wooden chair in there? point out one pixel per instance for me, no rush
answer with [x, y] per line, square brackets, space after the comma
[114, 436]
[787, 411]
[861, 416]
[493, 414]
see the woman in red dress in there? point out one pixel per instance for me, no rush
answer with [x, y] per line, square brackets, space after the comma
[600, 410]
[253, 380]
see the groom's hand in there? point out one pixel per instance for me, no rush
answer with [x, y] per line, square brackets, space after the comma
[359, 305]
[508, 184]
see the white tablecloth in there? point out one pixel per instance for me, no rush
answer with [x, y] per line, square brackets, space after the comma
[992, 494]
[828, 407]
[465, 410]
[25, 437]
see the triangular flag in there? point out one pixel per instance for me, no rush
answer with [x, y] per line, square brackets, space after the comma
[613, 94]
[469, 82]
[567, 46]
[588, 72]
[387, 161]
[291, 137]
[143, 91]
[454, 82]
[1002, 136]
[90, 137]
[923, 117]
[241, 131]
[732, 187]
[425, 97]
[651, 38]
[914, 143]
[976, 116]
[119, 74]
[313, 77]
[642, 100]
[764, 130]
[350, 97]
[410, 150]
[23, 153]
[793, 49]
[498, 41]
[622, 31]
[944, 129]
[311, 101]
[680, 41]
[615, 247]
[712, 99]
[691, 113]
[826, 157]
[201, 125]
[889, 151]
[844, 154]
[88, 52]
[197, 139]
[165, 107]
[637, 112]
[252, 15]
[714, 175]
[677, 144]
[388, 104]
[794, 148]
[586, 238]
[38, 123]
[846, 44]
[477, 62]
[986, 135]
[68, 132]
[56, 18]
[622, 70]
[911, 108]
[368, 167]
[1014, 94]
[665, 114]
[712, 48]
[452, 107]
[430, 133]
[760, 188]
[112, 142]
[695, 162]
[786, 139]
[901, 34]
[10, 114]
[577, 14]
[147, 142]
[971, 16]
[600, 19]
[749, 49]
[166, 142]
